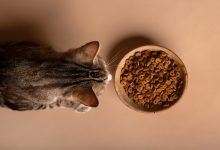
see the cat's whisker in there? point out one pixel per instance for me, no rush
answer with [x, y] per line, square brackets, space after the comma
[115, 56]
[115, 59]
[114, 66]
[111, 66]
[110, 61]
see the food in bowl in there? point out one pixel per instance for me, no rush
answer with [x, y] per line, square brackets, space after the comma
[152, 79]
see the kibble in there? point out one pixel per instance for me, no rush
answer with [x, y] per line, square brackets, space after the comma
[152, 79]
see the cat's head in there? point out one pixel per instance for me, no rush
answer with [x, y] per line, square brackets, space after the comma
[93, 70]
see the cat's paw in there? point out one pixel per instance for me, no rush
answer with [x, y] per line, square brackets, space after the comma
[82, 108]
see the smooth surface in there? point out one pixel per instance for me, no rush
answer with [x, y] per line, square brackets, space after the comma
[189, 27]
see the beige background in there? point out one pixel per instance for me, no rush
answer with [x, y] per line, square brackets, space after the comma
[191, 28]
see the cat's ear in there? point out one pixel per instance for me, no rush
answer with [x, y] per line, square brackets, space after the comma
[89, 51]
[88, 97]
[86, 53]
[84, 95]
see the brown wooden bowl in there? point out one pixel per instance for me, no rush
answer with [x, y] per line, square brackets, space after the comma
[121, 92]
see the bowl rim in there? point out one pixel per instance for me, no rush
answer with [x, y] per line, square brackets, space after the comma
[118, 87]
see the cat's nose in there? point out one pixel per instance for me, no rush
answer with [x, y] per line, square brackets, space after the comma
[109, 78]
[100, 75]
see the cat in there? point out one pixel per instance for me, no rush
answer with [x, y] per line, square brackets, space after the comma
[36, 77]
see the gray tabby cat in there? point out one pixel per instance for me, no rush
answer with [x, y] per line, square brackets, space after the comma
[34, 77]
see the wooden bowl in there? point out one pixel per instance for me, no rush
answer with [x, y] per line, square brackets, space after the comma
[121, 92]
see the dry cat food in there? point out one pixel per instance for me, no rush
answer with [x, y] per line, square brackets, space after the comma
[152, 79]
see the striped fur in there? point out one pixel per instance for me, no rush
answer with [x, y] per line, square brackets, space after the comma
[33, 77]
